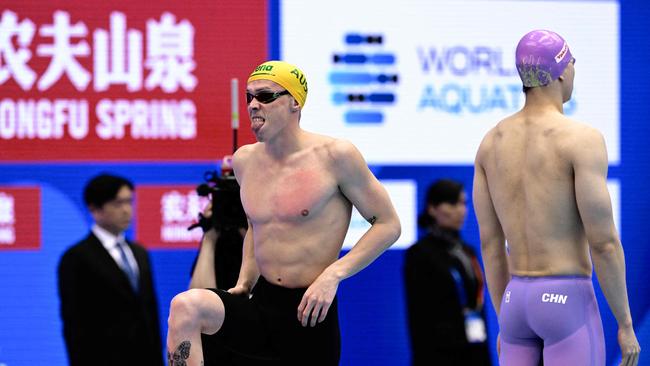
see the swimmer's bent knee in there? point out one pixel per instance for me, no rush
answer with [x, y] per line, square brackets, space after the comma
[199, 307]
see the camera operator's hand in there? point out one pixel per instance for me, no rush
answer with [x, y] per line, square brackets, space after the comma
[211, 234]
[207, 211]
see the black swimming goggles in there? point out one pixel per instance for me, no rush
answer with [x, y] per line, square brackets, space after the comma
[265, 97]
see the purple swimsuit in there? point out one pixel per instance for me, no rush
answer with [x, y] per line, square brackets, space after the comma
[556, 317]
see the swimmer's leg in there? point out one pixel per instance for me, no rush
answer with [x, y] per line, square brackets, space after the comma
[585, 347]
[191, 313]
[520, 353]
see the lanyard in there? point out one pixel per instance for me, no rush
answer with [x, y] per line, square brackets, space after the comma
[475, 269]
[460, 287]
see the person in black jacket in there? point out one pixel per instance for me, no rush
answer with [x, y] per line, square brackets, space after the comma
[444, 285]
[108, 304]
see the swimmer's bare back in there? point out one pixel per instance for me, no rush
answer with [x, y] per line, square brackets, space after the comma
[529, 160]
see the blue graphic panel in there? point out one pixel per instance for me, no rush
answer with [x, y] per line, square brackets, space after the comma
[359, 58]
[363, 117]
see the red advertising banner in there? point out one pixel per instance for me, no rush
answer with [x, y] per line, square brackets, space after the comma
[125, 80]
[163, 214]
[20, 218]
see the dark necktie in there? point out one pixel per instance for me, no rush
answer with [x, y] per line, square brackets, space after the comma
[126, 266]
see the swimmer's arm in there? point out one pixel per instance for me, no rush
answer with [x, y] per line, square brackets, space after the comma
[590, 171]
[492, 237]
[365, 192]
[370, 198]
[594, 205]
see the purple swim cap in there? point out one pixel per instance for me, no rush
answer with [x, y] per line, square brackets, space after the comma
[541, 57]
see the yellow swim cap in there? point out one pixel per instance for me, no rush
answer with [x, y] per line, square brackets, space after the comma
[285, 74]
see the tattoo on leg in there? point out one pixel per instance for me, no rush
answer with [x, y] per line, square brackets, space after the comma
[179, 356]
[372, 220]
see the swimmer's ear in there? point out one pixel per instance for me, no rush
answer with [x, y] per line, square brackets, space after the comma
[295, 106]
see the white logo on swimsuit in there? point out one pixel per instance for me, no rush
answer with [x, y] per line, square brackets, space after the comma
[556, 298]
[508, 296]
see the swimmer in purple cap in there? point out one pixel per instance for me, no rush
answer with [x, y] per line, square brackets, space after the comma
[541, 57]
[541, 183]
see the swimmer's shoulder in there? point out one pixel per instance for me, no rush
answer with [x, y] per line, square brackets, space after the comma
[497, 131]
[327, 147]
[339, 150]
[579, 138]
[583, 130]
[575, 134]
[243, 155]
[340, 157]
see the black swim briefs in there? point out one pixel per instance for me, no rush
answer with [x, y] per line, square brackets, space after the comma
[265, 329]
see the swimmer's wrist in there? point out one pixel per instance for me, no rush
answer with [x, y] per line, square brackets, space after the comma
[626, 324]
[334, 272]
[247, 285]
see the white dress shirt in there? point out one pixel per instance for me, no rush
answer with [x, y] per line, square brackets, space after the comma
[110, 242]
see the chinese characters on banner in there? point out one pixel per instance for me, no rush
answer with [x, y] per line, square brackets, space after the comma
[165, 212]
[20, 218]
[105, 84]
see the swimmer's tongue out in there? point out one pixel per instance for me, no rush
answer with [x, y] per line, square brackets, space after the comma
[256, 123]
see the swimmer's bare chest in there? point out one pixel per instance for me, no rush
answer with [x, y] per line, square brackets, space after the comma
[292, 194]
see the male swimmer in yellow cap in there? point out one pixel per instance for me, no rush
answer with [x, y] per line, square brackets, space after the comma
[540, 182]
[297, 189]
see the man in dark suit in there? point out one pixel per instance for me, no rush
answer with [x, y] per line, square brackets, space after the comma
[108, 303]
